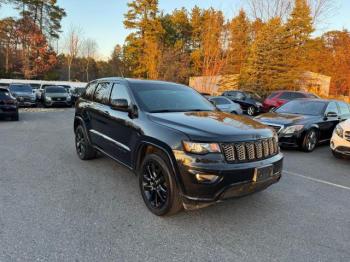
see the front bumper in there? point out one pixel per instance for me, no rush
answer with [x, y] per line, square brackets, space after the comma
[8, 110]
[340, 145]
[233, 180]
[58, 103]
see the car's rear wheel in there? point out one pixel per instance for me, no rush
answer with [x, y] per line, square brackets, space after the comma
[158, 186]
[251, 111]
[84, 150]
[310, 141]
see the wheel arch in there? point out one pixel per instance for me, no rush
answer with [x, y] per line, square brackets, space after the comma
[78, 120]
[147, 147]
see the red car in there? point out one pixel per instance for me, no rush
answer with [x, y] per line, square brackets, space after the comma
[279, 98]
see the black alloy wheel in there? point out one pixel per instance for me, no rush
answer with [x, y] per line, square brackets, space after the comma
[310, 141]
[84, 150]
[158, 186]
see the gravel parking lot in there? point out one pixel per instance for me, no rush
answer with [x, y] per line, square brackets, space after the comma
[55, 207]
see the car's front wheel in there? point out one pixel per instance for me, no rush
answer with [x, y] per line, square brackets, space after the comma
[158, 186]
[84, 150]
[310, 141]
[251, 111]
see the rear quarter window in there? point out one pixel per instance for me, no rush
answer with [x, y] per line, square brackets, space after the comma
[90, 90]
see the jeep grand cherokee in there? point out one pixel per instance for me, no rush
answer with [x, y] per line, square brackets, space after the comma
[185, 152]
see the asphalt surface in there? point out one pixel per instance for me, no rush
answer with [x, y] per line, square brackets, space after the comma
[55, 207]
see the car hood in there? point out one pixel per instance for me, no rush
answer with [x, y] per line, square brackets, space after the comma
[284, 119]
[213, 126]
[56, 94]
[26, 94]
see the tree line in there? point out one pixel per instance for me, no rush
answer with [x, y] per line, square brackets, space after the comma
[270, 45]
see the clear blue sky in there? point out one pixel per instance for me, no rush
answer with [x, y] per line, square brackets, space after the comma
[102, 20]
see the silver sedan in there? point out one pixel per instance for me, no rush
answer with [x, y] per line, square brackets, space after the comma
[226, 105]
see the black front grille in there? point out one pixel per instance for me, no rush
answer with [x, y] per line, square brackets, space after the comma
[250, 151]
[59, 99]
[24, 99]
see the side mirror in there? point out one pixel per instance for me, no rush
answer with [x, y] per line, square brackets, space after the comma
[331, 115]
[213, 102]
[120, 104]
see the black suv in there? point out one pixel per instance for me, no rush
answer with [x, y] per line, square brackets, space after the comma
[8, 104]
[185, 152]
[249, 101]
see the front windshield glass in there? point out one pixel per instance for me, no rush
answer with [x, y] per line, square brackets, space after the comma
[59, 90]
[301, 107]
[253, 95]
[21, 88]
[166, 97]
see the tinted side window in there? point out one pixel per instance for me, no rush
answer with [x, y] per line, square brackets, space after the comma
[332, 107]
[90, 90]
[102, 93]
[120, 91]
[297, 95]
[286, 96]
[344, 108]
[221, 101]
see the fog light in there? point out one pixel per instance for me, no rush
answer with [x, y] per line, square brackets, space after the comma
[206, 178]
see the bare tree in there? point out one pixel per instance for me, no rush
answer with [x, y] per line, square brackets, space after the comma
[89, 49]
[73, 46]
[267, 9]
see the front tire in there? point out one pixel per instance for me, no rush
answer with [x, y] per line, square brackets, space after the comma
[84, 149]
[310, 141]
[251, 111]
[158, 186]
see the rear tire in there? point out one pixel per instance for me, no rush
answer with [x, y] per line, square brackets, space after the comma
[83, 147]
[158, 186]
[310, 141]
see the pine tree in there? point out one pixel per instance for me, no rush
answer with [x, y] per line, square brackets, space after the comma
[239, 42]
[142, 17]
[268, 68]
[299, 27]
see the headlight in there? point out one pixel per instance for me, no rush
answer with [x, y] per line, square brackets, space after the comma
[69, 98]
[339, 131]
[201, 148]
[48, 98]
[259, 104]
[292, 129]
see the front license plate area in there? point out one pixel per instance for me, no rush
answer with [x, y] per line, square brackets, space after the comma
[263, 173]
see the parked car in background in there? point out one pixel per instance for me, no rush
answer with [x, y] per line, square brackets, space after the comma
[76, 93]
[226, 105]
[8, 105]
[305, 123]
[279, 98]
[56, 96]
[185, 152]
[250, 102]
[24, 94]
[340, 142]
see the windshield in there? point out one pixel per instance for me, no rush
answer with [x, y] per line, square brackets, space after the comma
[166, 97]
[301, 107]
[21, 88]
[60, 90]
[253, 95]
